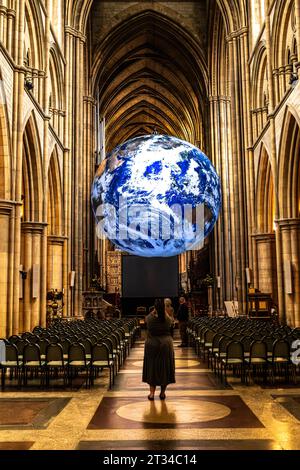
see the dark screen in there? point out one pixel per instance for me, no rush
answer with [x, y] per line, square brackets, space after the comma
[149, 277]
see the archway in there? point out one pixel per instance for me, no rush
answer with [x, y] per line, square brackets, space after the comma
[6, 209]
[32, 228]
[55, 224]
[289, 204]
[265, 237]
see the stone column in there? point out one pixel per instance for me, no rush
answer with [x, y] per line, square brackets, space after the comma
[68, 169]
[17, 151]
[224, 259]
[32, 307]
[79, 172]
[3, 24]
[46, 156]
[238, 159]
[290, 233]
[6, 267]
[9, 33]
[88, 219]
[297, 16]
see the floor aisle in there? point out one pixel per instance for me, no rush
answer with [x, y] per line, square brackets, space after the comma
[199, 413]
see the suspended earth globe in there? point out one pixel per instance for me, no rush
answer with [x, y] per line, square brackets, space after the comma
[156, 195]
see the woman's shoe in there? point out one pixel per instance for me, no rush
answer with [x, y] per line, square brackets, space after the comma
[151, 397]
[162, 396]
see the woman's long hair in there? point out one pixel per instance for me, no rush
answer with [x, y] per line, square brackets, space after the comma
[160, 309]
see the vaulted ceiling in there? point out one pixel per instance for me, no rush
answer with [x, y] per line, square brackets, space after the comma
[150, 74]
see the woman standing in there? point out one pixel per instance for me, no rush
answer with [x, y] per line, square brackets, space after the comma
[170, 312]
[159, 361]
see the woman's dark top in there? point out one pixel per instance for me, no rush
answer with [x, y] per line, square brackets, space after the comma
[159, 361]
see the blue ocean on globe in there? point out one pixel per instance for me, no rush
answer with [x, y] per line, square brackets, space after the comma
[147, 192]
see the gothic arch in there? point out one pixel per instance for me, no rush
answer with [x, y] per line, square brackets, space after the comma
[134, 75]
[57, 80]
[234, 13]
[218, 62]
[5, 150]
[34, 23]
[265, 198]
[259, 77]
[289, 166]
[32, 191]
[54, 211]
[283, 31]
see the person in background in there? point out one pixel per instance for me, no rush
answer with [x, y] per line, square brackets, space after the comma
[159, 359]
[183, 318]
[170, 312]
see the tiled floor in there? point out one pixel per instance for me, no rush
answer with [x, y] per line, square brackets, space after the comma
[199, 413]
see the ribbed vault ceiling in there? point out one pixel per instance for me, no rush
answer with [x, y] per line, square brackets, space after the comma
[150, 74]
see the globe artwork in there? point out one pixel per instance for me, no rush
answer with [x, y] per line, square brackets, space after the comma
[156, 195]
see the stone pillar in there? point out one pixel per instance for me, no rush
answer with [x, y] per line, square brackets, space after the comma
[88, 221]
[290, 233]
[32, 307]
[6, 267]
[68, 170]
[238, 160]
[9, 33]
[75, 74]
[224, 259]
[17, 151]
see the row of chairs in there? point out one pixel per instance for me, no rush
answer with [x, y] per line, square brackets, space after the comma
[68, 349]
[55, 363]
[248, 352]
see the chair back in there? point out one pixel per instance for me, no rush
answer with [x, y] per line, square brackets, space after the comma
[209, 335]
[216, 340]
[21, 343]
[281, 348]
[87, 345]
[31, 352]
[235, 350]
[246, 343]
[33, 339]
[93, 339]
[108, 342]
[259, 349]
[76, 352]
[115, 340]
[43, 343]
[65, 344]
[11, 352]
[54, 352]
[224, 341]
[100, 352]
[269, 342]
[14, 339]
